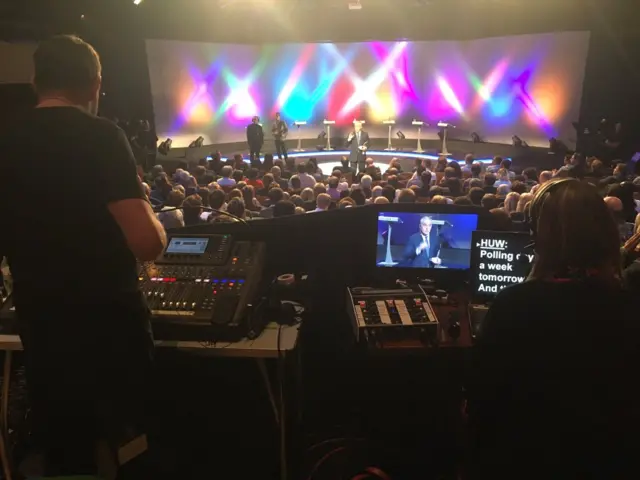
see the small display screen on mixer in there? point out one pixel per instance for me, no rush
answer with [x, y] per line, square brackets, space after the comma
[187, 246]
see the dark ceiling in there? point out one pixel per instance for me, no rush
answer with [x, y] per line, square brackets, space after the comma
[310, 20]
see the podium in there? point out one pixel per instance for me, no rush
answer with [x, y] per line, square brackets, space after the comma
[390, 123]
[390, 221]
[327, 124]
[299, 124]
[445, 128]
[419, 124]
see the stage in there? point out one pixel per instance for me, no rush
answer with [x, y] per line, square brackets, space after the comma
[327, 159]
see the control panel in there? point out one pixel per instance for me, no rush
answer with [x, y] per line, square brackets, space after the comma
[203, 287]
[395, 314]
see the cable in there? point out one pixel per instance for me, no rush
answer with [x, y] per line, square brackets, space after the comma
[208, 209]
[326, 457]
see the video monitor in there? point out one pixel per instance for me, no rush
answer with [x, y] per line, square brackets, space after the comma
[498, 260]
[425, 240]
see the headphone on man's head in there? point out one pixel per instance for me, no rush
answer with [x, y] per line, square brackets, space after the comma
[535, 207]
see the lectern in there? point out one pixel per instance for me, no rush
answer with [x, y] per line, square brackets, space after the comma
[445, 128]
[328, 123]
[419, 124]
[390, 123]
[299, 124]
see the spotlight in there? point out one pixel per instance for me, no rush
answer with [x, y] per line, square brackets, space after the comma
[197, 143]
[400, 135]
[137, 2]
[518, 142]
[165, 146]
[475, 138]
[322, 135]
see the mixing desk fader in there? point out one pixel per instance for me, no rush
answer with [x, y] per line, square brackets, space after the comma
[202, 288]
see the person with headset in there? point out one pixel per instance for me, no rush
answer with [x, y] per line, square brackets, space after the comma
[551, 392]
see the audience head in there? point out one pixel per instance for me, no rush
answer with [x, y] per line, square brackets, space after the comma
[283, 208]
[299, 211]
[307, 195]
[475, 195]
[366, 181]
[323, 201]
[476, 183]
[469, 159]
[301, 168]
[545, 176]
[275, 195]
[503, 190]
[252, 174]
[319, 188]
[490, 201]
[489, 180]
[497, 160]
[406, 195]
[333, 182]
[192, 208]
[236, 207]
[347, 202]
[511, 202]
[518, 187]
[381, 201]
[530, 174]
[462, 201]
[175, 198]
[575, 234]
[238, 175]
[506, 164]
[295, 182]
[501, 220]
[226, 171]
[389, 193]
[358, 197]
[523, 201]
[216, 199]
[276, 172]
[476, 170]
[439, 200]
[614, 204]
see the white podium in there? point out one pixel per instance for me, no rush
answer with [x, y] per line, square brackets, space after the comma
[299, 124]
[390, 123]
[419, 124]
[390, 221]
[445, 128]
[327, 124]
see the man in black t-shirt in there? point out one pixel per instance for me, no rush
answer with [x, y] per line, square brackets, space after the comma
[83, 323]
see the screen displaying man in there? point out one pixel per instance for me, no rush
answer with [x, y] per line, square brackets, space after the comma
[423, 248]
[420, 240]
[358, 142]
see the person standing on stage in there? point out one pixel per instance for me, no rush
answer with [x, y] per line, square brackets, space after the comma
[358, 141]
[86, 364]
[255, 139]
[280, 131]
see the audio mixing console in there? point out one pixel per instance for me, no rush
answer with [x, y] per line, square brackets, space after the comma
[202, 288]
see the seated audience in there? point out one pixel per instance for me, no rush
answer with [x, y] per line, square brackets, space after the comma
[283, 208]
[170, 216]
[277, 177]
[306, 180]
[406, 195]
[192, 210]
[489, 183]
[490, 201]
[323, 202]
[226, 181]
